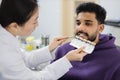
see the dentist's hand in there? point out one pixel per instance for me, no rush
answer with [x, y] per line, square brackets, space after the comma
[76, 55]
[56, 42]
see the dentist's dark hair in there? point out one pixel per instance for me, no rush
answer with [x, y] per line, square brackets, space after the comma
[91, 7]
[18, 11]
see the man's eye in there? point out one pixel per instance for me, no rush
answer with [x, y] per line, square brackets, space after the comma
[88, 24]
[78, 23]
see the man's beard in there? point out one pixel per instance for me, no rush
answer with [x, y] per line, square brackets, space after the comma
[90, 38]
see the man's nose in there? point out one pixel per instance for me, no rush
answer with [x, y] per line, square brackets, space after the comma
[82, 27]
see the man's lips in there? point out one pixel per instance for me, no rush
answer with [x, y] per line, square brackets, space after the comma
[82, 36]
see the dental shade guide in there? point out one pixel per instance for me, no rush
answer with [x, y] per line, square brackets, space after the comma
[79, 42]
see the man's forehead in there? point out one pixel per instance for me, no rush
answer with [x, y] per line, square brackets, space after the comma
[86, 16]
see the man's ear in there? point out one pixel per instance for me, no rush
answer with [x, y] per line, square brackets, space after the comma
[101, 28]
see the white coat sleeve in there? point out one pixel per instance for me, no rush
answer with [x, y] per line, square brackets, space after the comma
[36, 57]
[15, 69]
[55, 70]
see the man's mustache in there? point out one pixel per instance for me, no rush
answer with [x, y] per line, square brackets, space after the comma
[81, 32]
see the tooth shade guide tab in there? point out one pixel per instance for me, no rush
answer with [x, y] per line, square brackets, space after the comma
[84, 40]
[79, 42]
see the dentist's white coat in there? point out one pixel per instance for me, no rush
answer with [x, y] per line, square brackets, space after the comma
[14, 63]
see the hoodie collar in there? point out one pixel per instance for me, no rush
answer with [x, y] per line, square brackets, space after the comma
[105, 41]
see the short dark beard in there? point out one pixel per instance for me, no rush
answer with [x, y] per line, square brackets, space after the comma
[92, 38]
[86, 34]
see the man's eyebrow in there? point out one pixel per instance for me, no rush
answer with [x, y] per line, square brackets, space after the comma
[88, 21]
[85, 20]
[77, 20]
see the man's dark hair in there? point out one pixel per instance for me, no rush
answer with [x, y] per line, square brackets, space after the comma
[18, 11]
[99, 11]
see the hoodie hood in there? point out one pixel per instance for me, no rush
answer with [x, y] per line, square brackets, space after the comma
[106, 41]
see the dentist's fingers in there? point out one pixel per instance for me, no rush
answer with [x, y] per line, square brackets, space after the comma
[79, 49]
[76, 55]
[56, 42]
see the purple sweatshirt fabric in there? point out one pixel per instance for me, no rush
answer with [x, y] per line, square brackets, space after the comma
[102, 64]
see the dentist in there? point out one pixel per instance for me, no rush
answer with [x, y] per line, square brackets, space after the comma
[19, 18]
